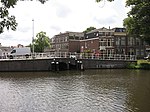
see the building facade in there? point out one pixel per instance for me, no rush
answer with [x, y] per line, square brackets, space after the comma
[66, 42]
[102, 41]
[116, 42]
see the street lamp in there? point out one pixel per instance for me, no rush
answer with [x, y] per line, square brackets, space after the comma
[33, 38]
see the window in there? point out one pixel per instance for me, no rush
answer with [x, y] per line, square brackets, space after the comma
[13, 51]
[66, 39]
[108, 42]
[103, 33]
[123, 41]
[131, 51]
[137, 41]
[102, 42]
[120, 30]
[118, 41]
[71, 37]
[107, 33]
[111, 33]
[142, 51]
[100, 33]
[137, 51]
[131, 41]
[85, 45]
[123, 51]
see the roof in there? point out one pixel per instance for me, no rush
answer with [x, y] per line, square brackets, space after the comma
[71, 33]
[103, 29]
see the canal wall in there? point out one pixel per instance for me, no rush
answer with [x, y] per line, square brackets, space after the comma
[93, 64]
[59, 64]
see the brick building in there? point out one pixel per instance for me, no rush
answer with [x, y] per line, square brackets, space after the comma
[115, 41]
[66, 42]
[103, 41]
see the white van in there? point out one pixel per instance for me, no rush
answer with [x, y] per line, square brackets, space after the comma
[23, 51]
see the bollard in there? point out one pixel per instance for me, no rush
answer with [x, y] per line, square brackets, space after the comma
[68, 66]
[53, 68]
[57, 66]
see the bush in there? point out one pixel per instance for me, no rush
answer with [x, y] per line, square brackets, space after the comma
[145, 65]
[131, 65]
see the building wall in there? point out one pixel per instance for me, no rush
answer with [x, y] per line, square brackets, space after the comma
[66, 42]
[103, 40]
[106, 40]
[136, 46]
[74, 46]
[91, 45]
[120, 42]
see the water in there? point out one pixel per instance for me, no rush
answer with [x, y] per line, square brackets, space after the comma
[74, 91]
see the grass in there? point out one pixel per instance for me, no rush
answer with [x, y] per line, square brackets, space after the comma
[141, 64]
[143, 61]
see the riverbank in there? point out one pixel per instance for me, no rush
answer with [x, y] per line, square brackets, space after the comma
[141, 64]
[61, 64]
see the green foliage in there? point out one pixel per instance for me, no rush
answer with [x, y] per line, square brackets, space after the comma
[142, 61]
[141, 64]
[42, 41]
[131, 65]
[8, 21]
[138, 21]
[145, 66]
[89, 29]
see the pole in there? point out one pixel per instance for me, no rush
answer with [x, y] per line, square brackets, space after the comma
[33, 38]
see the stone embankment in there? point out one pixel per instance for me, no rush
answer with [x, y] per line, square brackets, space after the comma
[59, 64]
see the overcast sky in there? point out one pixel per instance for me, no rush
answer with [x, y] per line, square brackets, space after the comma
[57, 16]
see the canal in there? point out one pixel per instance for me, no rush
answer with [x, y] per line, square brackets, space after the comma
[105, 90]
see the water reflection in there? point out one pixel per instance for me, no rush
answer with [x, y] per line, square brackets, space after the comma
[73, 91]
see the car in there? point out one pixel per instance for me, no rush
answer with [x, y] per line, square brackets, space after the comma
[72, 56]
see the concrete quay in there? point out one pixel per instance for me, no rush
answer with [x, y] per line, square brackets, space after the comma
[59, 64]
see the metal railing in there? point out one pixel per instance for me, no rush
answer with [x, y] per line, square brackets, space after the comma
[92, 56]
[72, 55]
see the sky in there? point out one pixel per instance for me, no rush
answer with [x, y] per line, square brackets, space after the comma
[57, 16]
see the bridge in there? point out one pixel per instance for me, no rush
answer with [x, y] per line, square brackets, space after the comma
[50, 55]
[64, 61]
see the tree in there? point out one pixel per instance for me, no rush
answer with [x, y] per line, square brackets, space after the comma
[8, 21]
[138, 21]
[5, 20]
[42, 41]
[89, 29]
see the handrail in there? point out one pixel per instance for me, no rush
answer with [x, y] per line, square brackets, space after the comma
[74, 55]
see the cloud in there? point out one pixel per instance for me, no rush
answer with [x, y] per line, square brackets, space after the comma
[56, 28]
[57, 16]
[62, 11]
[106, 21]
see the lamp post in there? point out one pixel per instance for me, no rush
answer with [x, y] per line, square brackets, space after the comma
[33, 38]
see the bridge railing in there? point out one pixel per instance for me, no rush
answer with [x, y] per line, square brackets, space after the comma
[92, 56]
[76, 56]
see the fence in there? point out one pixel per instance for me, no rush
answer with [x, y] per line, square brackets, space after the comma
[74, 55]
[92, 56]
